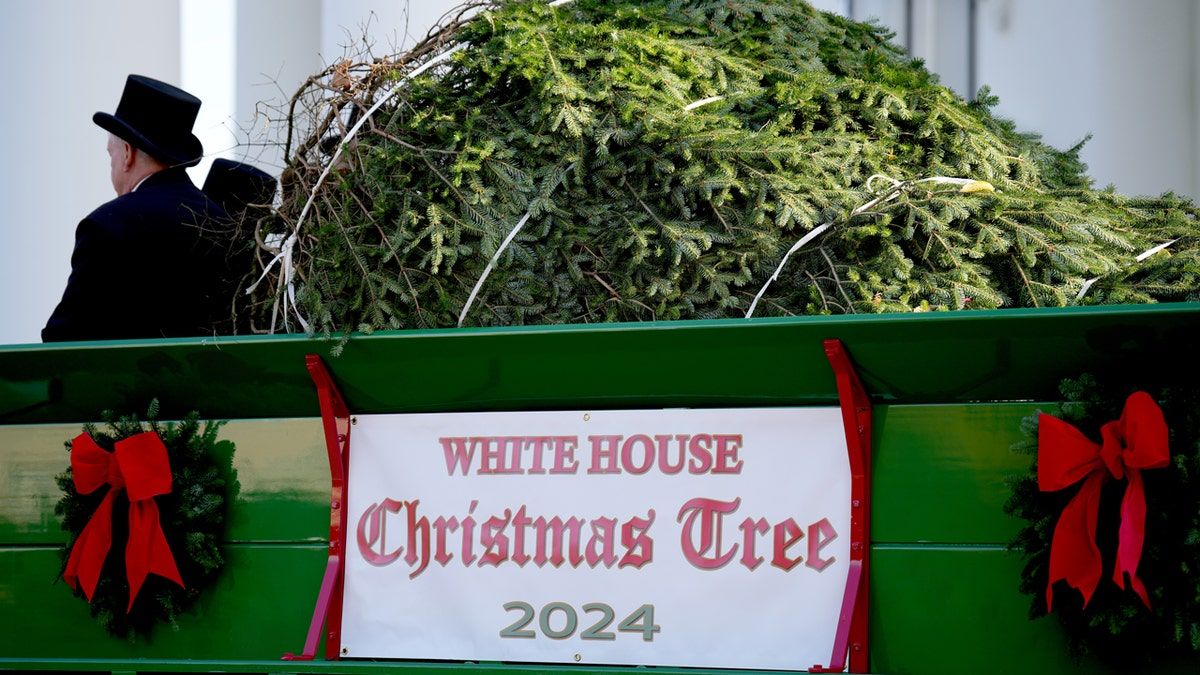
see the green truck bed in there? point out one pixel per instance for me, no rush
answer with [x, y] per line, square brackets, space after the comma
[948, 391]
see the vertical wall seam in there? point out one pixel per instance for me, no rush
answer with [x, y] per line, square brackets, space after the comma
[972, 50]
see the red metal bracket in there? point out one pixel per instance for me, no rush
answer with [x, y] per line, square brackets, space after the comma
[335, 418]
[851, 633]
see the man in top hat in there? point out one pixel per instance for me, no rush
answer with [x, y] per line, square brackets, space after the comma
[143, 265]
[247, 194]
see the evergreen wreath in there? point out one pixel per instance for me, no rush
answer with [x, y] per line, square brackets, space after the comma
[1116, 626]
[192, 515]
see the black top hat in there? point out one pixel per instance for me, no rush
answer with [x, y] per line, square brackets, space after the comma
[156, 118]
[235, 185]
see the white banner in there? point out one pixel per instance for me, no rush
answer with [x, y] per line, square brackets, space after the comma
[710, 538]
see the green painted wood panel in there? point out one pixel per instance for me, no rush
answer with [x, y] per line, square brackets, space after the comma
[935, 609]
[258, 609]
[1017, 354]
[939, 471]
[282, 468]
[946, 609]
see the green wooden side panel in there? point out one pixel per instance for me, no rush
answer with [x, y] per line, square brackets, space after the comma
[936, 609]
[945, 609]
[258, 609]
[939, 472]
[948, 357]
[281, 464]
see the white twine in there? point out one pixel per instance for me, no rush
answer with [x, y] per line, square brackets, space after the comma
[284, 255]
[1087, 285]
[795, 247]
[704, 101]
[1151, 251]
[488, 270]
[892, 193]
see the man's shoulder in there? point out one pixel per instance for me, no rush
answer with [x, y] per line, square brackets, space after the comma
[157, 202]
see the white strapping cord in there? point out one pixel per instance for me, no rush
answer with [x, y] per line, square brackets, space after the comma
[1087, 285]
[488, 270]
[965, 185]
[284, 255]
[704, 101]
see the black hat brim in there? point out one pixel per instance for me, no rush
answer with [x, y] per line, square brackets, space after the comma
[188, 153]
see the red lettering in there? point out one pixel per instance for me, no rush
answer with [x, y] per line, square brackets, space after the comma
[520, 521]
[647, 454]
[701, 449]
[600, 546]
[558, 530]
[468, 538]
[820, 533]
[441, 525]
[415, 552]
[602, 455]
[664, 442]
[492, 456]
[458, 454]
[709, 512]
[537, 445]
[727, 448]
[375, 518]
[786, 534]
[749, 528]
[493, 540]
[639, 547]
[564, 454]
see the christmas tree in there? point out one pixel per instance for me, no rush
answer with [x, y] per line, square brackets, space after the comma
[601, 160]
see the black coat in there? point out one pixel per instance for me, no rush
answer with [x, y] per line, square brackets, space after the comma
[144, 266]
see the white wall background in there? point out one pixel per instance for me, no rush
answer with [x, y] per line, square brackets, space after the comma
[1127, 71]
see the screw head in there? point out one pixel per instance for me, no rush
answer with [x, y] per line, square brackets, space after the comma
[587, 417]
[579, 657]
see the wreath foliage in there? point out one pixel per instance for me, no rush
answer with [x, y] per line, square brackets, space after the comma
[1116, 626]
[193, 518]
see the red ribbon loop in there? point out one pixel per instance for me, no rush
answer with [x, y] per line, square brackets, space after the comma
[1065, 456]
[139, 465]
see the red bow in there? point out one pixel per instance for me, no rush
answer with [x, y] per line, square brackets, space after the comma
[139, 465]
[1065, 456]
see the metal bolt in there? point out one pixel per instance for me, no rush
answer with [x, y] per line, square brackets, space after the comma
[353, 420]
[346, 650]
[341, 438]
[579, 657]
[856, 503]
[337, 505]
[586, 418]
[857, 647]
[856, 546]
